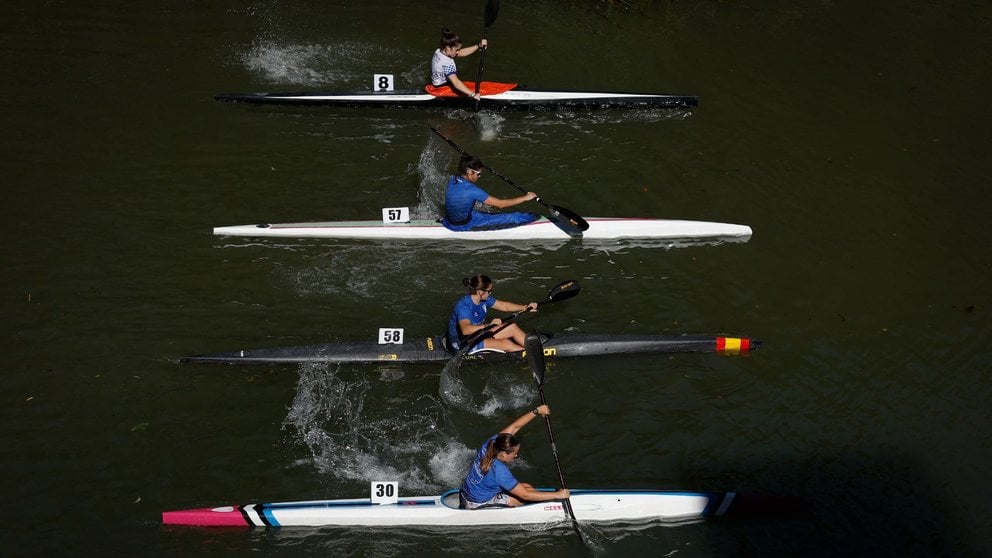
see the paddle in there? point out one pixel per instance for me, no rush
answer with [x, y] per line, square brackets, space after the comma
[566, 219]
[562, 291]
[492, 10]
[535, 357]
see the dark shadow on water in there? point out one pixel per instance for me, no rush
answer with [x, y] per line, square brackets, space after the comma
[866, 503]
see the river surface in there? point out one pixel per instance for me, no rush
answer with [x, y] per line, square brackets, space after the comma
[852, 138]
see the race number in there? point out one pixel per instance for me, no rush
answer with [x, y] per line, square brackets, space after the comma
[389, 335]
[385, 492]
[382, 82]
[395, 214]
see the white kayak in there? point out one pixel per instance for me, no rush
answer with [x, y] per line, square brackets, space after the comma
[620, 506]
[600, 228]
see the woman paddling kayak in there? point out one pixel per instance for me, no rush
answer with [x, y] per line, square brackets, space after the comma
[462, 194]
[489, 481]
[444, 73]
[469, 317]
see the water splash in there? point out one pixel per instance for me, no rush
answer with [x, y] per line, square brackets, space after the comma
[315, 64]
[331, 416]
[452, 390]
[432, 166]
[500, 389]
[489, 124]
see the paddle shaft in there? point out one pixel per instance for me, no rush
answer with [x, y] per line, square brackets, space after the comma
[489, 17]
[567, 503]
[482, 63]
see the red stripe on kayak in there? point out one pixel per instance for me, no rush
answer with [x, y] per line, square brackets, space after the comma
[487, 88]
[732, 345]
[228, 516]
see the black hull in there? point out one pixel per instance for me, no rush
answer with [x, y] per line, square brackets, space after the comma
[431, 349]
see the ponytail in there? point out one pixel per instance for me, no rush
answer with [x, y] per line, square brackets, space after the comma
[501, 442]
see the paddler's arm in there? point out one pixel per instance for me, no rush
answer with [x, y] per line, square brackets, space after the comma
[503, 203]
[525, 418]
[468, 328]
[506, 306]
[472, 49]
[528, 493]
[461, 87]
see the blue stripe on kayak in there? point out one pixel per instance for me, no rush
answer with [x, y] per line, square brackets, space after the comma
[266, 515]
[340, 504]
[719, 503]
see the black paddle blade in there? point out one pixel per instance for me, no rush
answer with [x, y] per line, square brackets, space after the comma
[492, 10]
[574, 218]
[564, 291]
[535, 357]
[566, 225]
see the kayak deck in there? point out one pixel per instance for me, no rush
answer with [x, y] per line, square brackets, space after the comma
[600, 228]
[433, 349]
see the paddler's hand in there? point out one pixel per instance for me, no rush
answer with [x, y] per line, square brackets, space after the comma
[495, 322]
[530, 196]
[483, 44]
[476, 96]
[531, 307]
[563, 493]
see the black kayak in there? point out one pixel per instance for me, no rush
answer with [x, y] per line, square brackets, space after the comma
[434, 349]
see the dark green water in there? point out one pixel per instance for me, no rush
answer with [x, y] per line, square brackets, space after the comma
[853, 139]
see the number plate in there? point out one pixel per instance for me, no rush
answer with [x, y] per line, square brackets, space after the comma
[390, 335]
[382, 82]
[395, 214]
[385, 492]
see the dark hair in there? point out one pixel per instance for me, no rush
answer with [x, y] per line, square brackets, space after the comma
[469, 162]
[449, 39]
[477, 283]
[504, 441]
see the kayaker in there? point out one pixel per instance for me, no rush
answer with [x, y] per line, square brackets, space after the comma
[469, 316]
[489, 481]
[462, 194]
[444, 73]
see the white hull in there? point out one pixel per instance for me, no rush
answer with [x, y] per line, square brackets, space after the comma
[600, 228]
[589, 505]
[514, 99]
[512, 96]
